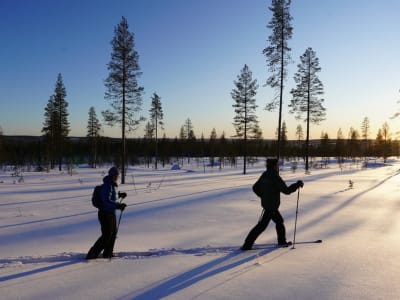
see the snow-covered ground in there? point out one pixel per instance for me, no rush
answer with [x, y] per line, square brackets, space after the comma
[180, 234]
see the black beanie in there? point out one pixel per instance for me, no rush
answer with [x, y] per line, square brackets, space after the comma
[271, 163]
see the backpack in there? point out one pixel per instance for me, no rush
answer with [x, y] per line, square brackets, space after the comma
[260, 187]
[97, 201]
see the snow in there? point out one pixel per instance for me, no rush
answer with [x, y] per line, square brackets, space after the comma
[180, 234]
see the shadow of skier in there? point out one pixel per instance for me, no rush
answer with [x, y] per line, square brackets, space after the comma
[217, 266]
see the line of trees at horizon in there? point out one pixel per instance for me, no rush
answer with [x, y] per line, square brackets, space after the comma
[30, 151]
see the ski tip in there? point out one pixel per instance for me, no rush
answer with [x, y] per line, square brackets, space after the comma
[318, 241]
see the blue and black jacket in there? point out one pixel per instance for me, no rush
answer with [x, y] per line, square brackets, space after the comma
[109, 195]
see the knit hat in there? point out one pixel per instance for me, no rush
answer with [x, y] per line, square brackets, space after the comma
[113, 172]
[271, 163]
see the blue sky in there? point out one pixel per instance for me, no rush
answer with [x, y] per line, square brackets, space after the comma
[190, 54]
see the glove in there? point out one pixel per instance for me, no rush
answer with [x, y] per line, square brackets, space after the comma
[121, 195]
[300, 183]
[121, 206]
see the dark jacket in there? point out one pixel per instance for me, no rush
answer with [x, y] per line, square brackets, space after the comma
[274, 187]
[109, 195]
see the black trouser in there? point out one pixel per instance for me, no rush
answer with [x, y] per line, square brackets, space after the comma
[108, 235]
[262, 224]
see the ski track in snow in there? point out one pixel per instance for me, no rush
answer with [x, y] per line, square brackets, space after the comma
[72, 256]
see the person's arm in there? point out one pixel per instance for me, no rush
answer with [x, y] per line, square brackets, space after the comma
[287, 189]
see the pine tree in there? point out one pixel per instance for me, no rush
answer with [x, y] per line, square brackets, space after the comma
[62, 124]
[212, 146]
[191, 136]
[56, 125]
[222, 149]
[187, 128]
[324, 146]
[49, 130]
[188, 137]
[300, 136]
[306, 96]
[148, 131]
[245, 120]
[352, 143]
[182, 134]
[365, 127]
[386, 141]
[122, 88]
[93, 134]
[299, 133]
[340, 146]
[278, 55]
[213, 135]
[156, 117]
[284, 138]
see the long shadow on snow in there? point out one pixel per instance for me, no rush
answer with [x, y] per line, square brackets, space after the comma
[217, 266]
[209, 269]
[343, 205]
[38, 270]
[56, 229]
[46, 220]
[77, 198]
[129, 204]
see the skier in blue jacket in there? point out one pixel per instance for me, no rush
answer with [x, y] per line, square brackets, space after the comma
[107, 217]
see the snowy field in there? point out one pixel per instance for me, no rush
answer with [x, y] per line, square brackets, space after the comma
[180, 234]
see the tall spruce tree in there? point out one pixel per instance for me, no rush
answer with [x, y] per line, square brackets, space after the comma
[278, 55]
[122, 88]
[187, 129]
[182, 134]
[245, 120]
[62, 127]
[56, 125]
[306, 96]
[49, 131]
[93, 134]
[156, 118]
[365, 128]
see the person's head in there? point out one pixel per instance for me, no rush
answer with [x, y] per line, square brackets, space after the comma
[272, 163]
[113, 173]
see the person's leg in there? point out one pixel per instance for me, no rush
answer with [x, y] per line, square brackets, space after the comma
[111, 236]
[280, 227]
[257, 230]
[100, 243]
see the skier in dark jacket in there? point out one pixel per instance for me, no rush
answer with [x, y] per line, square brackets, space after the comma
[270, 202]
[107, 217]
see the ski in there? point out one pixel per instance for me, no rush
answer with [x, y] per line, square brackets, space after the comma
[310, 242]
[265, 246]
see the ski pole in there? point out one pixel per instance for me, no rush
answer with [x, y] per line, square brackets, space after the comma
[119, 220]
[295, 222]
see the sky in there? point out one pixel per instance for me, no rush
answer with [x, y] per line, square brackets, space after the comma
[190, 53]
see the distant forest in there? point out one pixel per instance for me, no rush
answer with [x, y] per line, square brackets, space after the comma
[33, 151]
